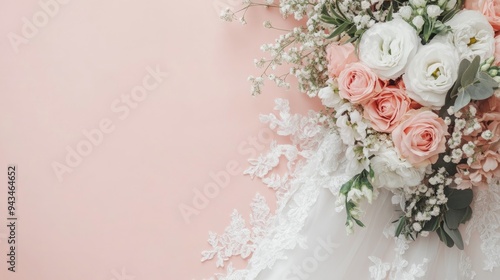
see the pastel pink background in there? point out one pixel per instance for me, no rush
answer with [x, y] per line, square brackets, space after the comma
[119, 208]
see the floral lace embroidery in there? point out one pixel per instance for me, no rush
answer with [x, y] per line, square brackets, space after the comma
[315, 158]
[486, 221]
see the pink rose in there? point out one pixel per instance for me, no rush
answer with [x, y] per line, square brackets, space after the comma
[387, 108]
[338, 57]
[489, 8]
[358, 83]
[497, 50]
[420, 137]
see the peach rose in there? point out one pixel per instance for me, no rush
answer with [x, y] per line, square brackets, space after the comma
[338, 57]
[387, 108]
[489, 8]
[358, 83]
[420, 137]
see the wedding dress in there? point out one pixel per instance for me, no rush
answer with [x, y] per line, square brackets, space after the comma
[306, 238]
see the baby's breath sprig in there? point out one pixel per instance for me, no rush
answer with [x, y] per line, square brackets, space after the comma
[435, 205]
[303, 47]
[229, 15]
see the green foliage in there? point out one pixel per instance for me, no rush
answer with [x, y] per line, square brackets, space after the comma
[455, 212]
[358, 182]
[471, 84]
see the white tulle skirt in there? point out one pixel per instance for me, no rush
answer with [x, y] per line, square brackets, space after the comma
[325, 251]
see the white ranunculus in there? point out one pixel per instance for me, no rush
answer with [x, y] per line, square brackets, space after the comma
[387, 46]
[431, 73]
[471, 34]
[391, 172]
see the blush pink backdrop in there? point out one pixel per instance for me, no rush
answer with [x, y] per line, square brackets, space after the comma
[116, 214]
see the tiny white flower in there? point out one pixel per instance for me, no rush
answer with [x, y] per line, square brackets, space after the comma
[487, 134]
[417, 227]
[354, 195]
[367, 193]
[365, 5]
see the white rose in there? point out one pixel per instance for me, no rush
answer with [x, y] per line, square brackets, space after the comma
[471, 35]
[391, 172]
[433, 11]
[431, 73]
[386, 47]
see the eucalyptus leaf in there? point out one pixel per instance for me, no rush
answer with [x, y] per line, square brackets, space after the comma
[487, 79]
[459, 199]
[464, 64]
[444, 237]
[462, 100]
[470, 73]
[467, 216]
[431, 225]
[453, 217]
[479, 91]
[455, 235]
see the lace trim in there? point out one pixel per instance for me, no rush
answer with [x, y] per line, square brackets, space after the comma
[400, 268]
[486, 221]
[271, 234]
[314, 159]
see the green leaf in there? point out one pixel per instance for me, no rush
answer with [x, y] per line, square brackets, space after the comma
[339, 30]
[462, 100]
[401, 225]
[449, 14]
[455, 235]
[453, 217]
[431, 225]
[358, 222]
[467, 216]
[352, 39]
[459, 199]
[444, 237]
[470, 73]
[487, 79]
[479, 91]
[389, 15]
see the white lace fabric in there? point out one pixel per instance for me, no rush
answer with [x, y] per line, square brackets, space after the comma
[305, 238]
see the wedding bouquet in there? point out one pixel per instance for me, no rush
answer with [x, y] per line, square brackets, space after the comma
[410, 86]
